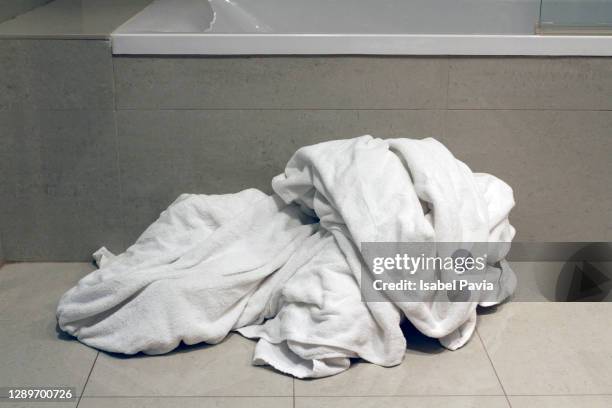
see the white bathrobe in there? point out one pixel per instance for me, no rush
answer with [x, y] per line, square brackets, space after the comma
[286, 268]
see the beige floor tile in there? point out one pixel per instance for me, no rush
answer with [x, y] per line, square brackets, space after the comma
[402, 402]
[427, 369]
[551, 348]
[198, 402]
[536, 280]
[538, 350]
[32, 290]
[220, 370]
[34, 354]
[573, 401]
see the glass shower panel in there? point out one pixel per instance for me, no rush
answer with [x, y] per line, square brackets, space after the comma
[575, 17]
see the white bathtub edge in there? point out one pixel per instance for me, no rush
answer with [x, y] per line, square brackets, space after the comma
[357, 44]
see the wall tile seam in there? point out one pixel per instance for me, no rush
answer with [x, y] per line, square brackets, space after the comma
[57, 37]
[2, 260]
[117, 144]
[26, 109]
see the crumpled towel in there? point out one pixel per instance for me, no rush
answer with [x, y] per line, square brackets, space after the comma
[285, 268]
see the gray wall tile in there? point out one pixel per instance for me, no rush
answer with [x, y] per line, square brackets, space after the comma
[530, 83]
[59, 148]
[55, 74]
[281, 82]
[12, 8]
[166, 153]
[62, 190]
[557, 162]
[11, 84]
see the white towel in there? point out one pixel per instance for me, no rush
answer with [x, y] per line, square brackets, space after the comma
[286, 268]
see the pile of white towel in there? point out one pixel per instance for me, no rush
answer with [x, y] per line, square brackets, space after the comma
[286, 268]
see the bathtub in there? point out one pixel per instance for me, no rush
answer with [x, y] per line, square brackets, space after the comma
[340, 27]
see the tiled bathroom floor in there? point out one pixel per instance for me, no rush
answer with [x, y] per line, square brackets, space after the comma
[524, 355]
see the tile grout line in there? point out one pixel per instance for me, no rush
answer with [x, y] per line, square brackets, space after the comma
[315, 109]
[448, 72]
[493, 367]
[155, 396]
[293, 390]
[2, 260]
[117, 140]
[87, 380]
[113, 76]
[397, 109]
[561, 395]
[444, 112]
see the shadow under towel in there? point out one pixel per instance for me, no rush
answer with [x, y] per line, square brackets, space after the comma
[286, 268]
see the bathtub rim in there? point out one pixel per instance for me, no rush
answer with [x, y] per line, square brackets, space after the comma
[359, 44]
